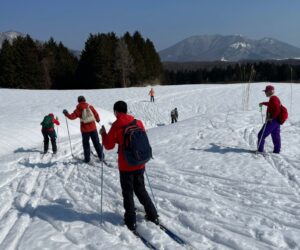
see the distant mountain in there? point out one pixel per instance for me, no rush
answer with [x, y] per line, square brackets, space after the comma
[9, 35]
[228, 48]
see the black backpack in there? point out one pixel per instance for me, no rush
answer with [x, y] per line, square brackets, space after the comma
[137, 149]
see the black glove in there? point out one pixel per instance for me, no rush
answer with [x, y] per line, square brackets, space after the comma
[65, 112]
[102, 130]
[269, 117]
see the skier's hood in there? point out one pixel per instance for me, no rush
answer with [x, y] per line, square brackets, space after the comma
[82, 105]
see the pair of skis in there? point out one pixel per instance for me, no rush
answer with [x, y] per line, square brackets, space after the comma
[170, 233]
[144, 240]
[94, 163]
[47, 154]
[107, 164]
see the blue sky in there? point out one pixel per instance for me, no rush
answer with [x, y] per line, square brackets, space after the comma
[165, 22]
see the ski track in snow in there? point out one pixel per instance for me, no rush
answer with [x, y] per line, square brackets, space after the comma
[209, 188]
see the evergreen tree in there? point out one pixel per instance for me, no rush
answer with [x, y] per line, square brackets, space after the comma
[64, 68]
[124, 62]
[138, 54]
[147, 62]
[134, 45]
[28, 71]
[152, 63]
[96, 67]
[106, 62]
[7, 68]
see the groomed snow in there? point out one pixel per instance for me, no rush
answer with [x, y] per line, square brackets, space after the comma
[208, 187]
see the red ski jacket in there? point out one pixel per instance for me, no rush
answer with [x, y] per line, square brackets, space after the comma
[273, 105]
[115, 136]
[54, 121]
[77, 113]
[151, 93]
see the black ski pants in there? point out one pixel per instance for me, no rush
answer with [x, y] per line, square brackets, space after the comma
[133, 182]
[86, 145]
[174, 119]
[52, 135]
[152, 99]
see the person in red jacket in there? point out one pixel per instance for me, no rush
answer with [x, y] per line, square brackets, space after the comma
[88, 118]
[151, 93]
[48, 131]
[131, 177]
[272, 125]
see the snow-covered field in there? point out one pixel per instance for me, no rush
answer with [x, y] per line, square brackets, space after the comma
[208, 187]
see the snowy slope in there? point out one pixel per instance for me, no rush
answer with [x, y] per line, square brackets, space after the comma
[208, 187]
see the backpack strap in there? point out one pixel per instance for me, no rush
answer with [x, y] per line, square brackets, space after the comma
[133, 123]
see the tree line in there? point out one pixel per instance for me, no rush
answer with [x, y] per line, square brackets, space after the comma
[107, 61]
[229, 73]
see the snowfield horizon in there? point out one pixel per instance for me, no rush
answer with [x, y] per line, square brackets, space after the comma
[209, 186]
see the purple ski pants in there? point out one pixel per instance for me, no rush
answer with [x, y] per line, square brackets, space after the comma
[273, 128]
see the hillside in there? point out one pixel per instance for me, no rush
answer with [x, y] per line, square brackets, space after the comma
[228, 48]
[209, 188]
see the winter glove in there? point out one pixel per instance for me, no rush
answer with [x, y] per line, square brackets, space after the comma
[65, 112]
[261, 104]
[102, 130]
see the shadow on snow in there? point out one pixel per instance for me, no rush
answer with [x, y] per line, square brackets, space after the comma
[221, 149]
[29, 150]
[66, 213]
[26, 163]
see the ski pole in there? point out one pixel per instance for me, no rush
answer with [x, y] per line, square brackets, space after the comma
[155, 204]
[69, 137]
[263, 132]
[101, 203]
[291, 104]
[262, 116]
[57, 137]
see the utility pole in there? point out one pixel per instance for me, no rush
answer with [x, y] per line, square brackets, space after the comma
[247, 96]
[291, 85]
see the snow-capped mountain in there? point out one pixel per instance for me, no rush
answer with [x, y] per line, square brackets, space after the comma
[9, 35]
[230, 48]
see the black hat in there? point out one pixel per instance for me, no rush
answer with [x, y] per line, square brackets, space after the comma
[81, 98]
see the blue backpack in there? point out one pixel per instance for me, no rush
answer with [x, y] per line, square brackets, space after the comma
[137, 149]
